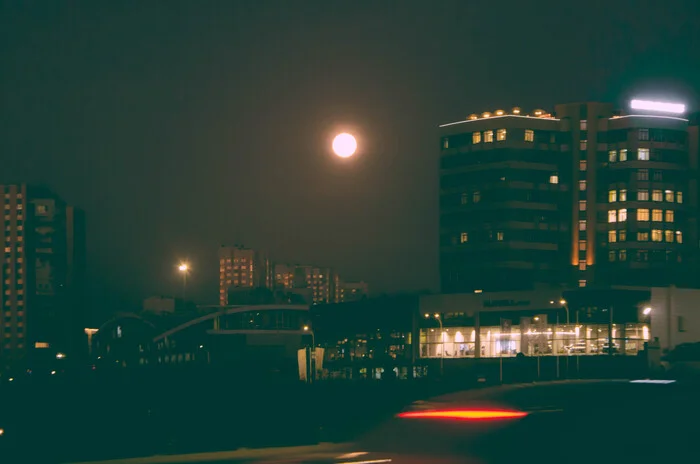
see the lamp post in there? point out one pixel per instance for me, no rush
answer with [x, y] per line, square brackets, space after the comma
[437, 317]
[184, 268]
[311, 357]
[90, 333]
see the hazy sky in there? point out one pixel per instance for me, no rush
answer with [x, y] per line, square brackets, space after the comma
[179, 126]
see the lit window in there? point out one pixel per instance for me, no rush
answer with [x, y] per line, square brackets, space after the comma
[656, 235]
[643, 195]
[584, 145]
[581, 225]
[643, 154]
[582, 165]
[622, 235]
[623, 194]
[582, 245]
[612, 255]
[642, 174]
[623, 255]
[464, 237]
[657, 215]
[501, 135]
[445, 143]
[612, 156]
[668, 236]
[581, 265]
[464, 198]
[679, 197]
[668, 196]
[554, 179]
[679, 236]
[582, 185]
[488, 136]
[476, 197]
[642, 214]
[656, 195]
[642, 236]
[612, 236]
[612, 215]
[584, 124]
[582, 283]
[529, 135]
[669, 215]
[612, 196]
[644, 135]
[499, 236]
[622, 215]
[582, 205]
[476, 137]
[623, 154]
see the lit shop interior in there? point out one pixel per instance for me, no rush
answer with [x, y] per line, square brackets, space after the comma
[533, 337]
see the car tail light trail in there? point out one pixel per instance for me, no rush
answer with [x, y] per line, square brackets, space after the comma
[463, 414]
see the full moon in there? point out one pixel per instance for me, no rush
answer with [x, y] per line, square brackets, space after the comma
[344, 145]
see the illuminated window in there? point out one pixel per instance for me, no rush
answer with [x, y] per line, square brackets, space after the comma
[642, 214]
[679, 197]
[669, 215]
[643, 154]
[622, 215]
[529, 135]
[668, 196]
[583, 125]
[499, 236]
[679, 236]
[623, 255]
[623, 194]
[668, 236]
[623, 154]
[584, 145]
[582, 283]
[488, 136]
[643, 195]
[612, 196]
[582, 185]
[554, 179]
[656, 235]
[612, 156]
[612, 236]
[582, 165]
[581, 225]
[612, 215]
[581, 265]
[476, 197]
[622, 235]
[656, 195]
[464, 198]
[657, 215]
[445, 143]
[643, 135]
[642, 174]
[612, 255]
[642, 236]
[582, 245]
[501, 135]
[476, 137]
[464, 237]
[582, 205]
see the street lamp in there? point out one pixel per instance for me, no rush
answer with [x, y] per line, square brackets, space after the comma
[647, 311]
[344, 145]
[184, 268]
[437, 317]
[90, 332]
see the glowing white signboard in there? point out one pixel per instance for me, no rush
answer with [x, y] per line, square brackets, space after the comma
[661, 107]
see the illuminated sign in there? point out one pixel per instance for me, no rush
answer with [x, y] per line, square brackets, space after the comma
[660, 107]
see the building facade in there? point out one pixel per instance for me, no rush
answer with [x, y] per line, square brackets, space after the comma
[582, 196]
[352, 291]
[241, 267]
[43, 276]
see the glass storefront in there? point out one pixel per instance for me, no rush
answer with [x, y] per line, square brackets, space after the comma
[533, 339]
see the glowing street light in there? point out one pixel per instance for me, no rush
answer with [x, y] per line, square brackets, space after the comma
[344, 145]
[659, 107]
[646, 311]
[184, 268]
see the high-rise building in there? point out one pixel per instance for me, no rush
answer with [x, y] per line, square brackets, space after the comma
[583, 196]
[43, 275]
[243, 267]
[284, 276]
[352, 291]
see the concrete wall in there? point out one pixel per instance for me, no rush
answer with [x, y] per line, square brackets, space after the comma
[675, 316]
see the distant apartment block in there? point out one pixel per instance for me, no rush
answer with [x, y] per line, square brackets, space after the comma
[352, 291]
[242, 267]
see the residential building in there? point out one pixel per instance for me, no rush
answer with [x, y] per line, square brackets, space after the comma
[583, 196]
[43, 276]
[241, 267]
[352, 291]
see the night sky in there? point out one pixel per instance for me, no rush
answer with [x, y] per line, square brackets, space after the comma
[179, 126]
